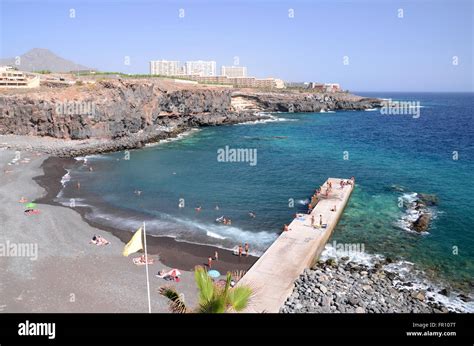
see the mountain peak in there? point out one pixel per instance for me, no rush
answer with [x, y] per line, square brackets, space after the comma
[43, 59]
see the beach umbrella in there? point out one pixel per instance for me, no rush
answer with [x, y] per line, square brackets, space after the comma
[31, 205]
[213, 273]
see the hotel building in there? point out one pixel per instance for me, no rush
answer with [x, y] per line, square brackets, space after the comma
[165, 68]
[234, 71]
[201, 68]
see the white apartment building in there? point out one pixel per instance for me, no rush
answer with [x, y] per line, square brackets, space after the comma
[234, 71]
[166, 68]
[11, 78]
[201, 68]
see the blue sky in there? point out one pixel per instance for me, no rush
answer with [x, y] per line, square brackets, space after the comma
[386, 53]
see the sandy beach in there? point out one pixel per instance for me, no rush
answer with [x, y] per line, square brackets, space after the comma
[67, 273]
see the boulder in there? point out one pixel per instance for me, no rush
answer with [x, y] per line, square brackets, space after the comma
[428, 199]
[422, 223]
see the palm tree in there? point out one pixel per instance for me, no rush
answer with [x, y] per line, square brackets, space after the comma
[212, 298]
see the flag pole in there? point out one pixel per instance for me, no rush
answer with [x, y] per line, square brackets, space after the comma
[146, 263]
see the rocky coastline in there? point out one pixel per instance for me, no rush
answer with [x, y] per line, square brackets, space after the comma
[348, 287]
[113, 115]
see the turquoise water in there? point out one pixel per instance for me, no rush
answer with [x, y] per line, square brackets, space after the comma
[294, 156]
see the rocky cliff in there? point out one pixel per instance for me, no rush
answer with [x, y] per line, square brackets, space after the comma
[129, 113]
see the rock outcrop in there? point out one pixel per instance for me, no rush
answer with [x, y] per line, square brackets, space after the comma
[130, 113]
[350, 287]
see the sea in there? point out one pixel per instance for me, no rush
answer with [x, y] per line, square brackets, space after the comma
[260, 174]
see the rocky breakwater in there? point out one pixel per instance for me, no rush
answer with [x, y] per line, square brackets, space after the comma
[349, 287]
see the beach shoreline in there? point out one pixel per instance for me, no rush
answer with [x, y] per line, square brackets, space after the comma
[67, 273]
[169, 249]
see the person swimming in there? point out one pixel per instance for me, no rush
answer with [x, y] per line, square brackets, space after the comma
[198, 209]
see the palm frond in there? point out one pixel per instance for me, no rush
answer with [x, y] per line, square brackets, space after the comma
[204, 284]
[213, 306]
[176, 303]
[239, 298]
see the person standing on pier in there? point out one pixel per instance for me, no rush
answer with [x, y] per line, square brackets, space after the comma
[240, 250]
[246, 250]
[312, 221]
[320, 220]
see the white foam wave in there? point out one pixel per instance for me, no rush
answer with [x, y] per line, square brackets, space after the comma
[214, 235]
[66, 178]
[371, 109]
[191, 231]
[176, 138]
[359, 257]
[271, 119]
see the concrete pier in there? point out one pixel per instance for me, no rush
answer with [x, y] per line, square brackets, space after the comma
[272, 276]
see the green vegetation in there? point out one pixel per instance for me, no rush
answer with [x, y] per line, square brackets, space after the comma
[212, 298]
[43, 71]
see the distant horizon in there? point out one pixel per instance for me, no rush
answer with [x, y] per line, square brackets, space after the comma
[404, 46]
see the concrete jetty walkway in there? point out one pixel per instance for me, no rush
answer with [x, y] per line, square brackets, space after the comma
[272, 276]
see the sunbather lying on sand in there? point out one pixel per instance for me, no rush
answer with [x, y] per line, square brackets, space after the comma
[139, 261]
[32, 212]
[99, 240]
[173, 274]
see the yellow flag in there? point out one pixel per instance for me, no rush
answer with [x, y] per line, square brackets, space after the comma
[134, 244]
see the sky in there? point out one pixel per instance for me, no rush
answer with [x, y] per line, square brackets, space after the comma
[365, 45]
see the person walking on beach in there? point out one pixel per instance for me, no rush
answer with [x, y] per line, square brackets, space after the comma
[312, 221]
[209, 262]
[246, 250]
[320, 220]
[240, 250]
[216, 256]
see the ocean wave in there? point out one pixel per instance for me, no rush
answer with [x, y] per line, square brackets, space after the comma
[359, 257]
[173, 139]
[214, 235]
[271, 119]
[190, 231]
[371, 109]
